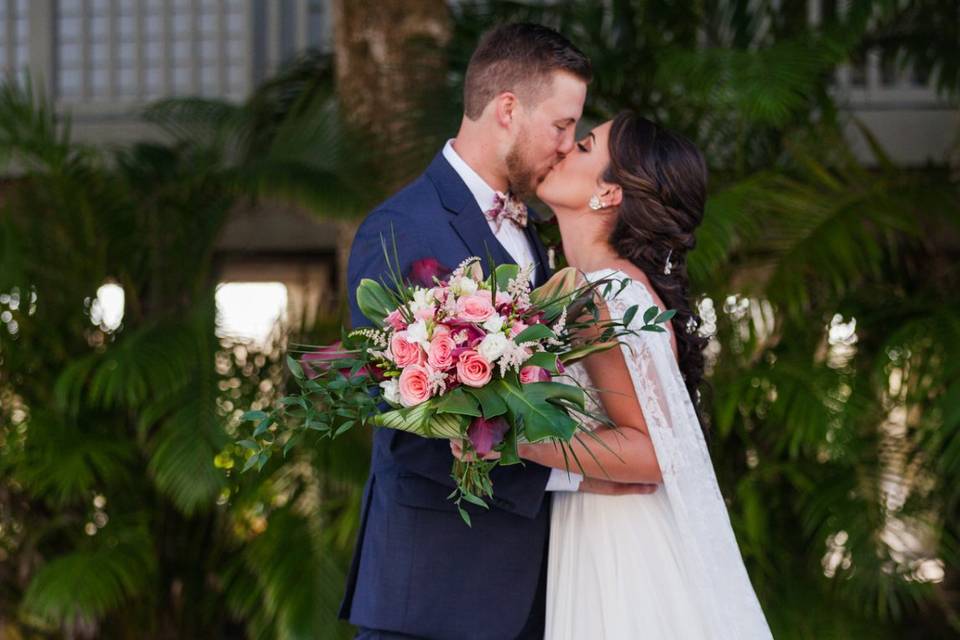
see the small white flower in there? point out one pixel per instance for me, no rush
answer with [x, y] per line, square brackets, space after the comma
[391, 391]
[467, 286]
[417, 333]
[493, 346]
[493, 324]
[422, 299]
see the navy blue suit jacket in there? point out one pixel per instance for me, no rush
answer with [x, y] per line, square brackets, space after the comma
[417, 568]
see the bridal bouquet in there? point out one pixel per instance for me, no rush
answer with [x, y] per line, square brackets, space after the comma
[453, 355]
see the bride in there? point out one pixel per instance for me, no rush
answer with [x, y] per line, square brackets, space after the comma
[663, 565]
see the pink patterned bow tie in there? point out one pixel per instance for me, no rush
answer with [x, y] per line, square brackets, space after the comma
[507, 207]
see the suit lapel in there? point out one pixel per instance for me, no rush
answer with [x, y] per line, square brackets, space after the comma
[540, 252]
[466, 218]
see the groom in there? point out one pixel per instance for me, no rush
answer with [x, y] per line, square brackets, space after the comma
[418, 570]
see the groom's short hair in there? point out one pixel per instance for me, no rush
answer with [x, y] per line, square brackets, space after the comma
[518, 57]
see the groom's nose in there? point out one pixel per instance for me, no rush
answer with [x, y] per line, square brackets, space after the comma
[566, 145]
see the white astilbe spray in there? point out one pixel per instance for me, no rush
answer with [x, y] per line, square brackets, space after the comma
[462, 267]
[377, 336]
[559, 328]
[513, 357]
[437, 381]
[519, 287]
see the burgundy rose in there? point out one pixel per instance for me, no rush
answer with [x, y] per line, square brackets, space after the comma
[486, 434]
[423, 271]
[474, 333]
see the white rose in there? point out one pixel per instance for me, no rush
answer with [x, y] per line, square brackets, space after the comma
[467, 286]
[493, 346]
[391, 391]
[422, 299]
[417, 333]
[493, 324]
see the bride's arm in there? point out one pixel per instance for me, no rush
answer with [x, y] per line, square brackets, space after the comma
[625, 454]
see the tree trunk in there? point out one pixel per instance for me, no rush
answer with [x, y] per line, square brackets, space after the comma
[388, 54]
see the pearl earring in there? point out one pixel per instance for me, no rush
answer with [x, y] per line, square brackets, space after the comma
[595, 203]
[667, 268]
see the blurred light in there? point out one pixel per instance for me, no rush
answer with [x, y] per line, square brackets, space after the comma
[106, 310]
[250, 310]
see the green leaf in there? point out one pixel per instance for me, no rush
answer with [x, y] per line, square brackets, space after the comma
[665, 316]
[472, 499]
[346, 426]
[422, 421]
[295, 368]
[504, 274]
[263, 426]
[508, 448]
[543, 359]
[254, 416]
[628, 316]
[251, 462]
[534, 332]
[491, 404]
[650, 314]
[541, 419]
[374, 301]
[249, 444]
[582, 352]
[459, 402]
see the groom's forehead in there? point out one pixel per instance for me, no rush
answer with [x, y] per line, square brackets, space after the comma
[564, 97]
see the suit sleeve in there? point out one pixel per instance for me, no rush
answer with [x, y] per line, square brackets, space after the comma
[518, 489]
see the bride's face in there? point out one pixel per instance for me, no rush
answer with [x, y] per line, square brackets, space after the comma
[573, 180]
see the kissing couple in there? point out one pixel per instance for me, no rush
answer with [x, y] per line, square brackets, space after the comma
[636, 546]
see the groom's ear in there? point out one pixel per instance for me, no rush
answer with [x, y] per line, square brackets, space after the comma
[505, 105]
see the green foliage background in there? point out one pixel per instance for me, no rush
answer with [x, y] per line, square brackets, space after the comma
[840, 458]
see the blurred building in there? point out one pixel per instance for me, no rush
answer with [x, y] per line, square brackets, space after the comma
[103, 60]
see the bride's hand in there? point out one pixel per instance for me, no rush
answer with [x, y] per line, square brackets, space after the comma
[456, 447]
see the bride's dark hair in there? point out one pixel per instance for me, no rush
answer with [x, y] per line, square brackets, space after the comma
[664, 181]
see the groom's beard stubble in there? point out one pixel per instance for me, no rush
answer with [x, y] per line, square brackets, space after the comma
[520, 174]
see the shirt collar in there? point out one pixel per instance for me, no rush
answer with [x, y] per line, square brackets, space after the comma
[482, 192]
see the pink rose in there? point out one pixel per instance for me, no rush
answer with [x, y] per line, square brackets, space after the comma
[440, 355]
[534, 374]
[414, 386]
[441, 329]
[475, 307]
[395, 320]
[473, 369]
[404, 352]
[517, 328]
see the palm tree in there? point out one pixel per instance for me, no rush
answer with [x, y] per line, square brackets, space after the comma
[123, 511]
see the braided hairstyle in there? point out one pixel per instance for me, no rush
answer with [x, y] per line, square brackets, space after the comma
[663, 177]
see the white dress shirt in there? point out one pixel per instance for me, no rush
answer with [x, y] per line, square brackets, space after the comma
[514, 240]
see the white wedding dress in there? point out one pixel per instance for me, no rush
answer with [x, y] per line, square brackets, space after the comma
[648, 567]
